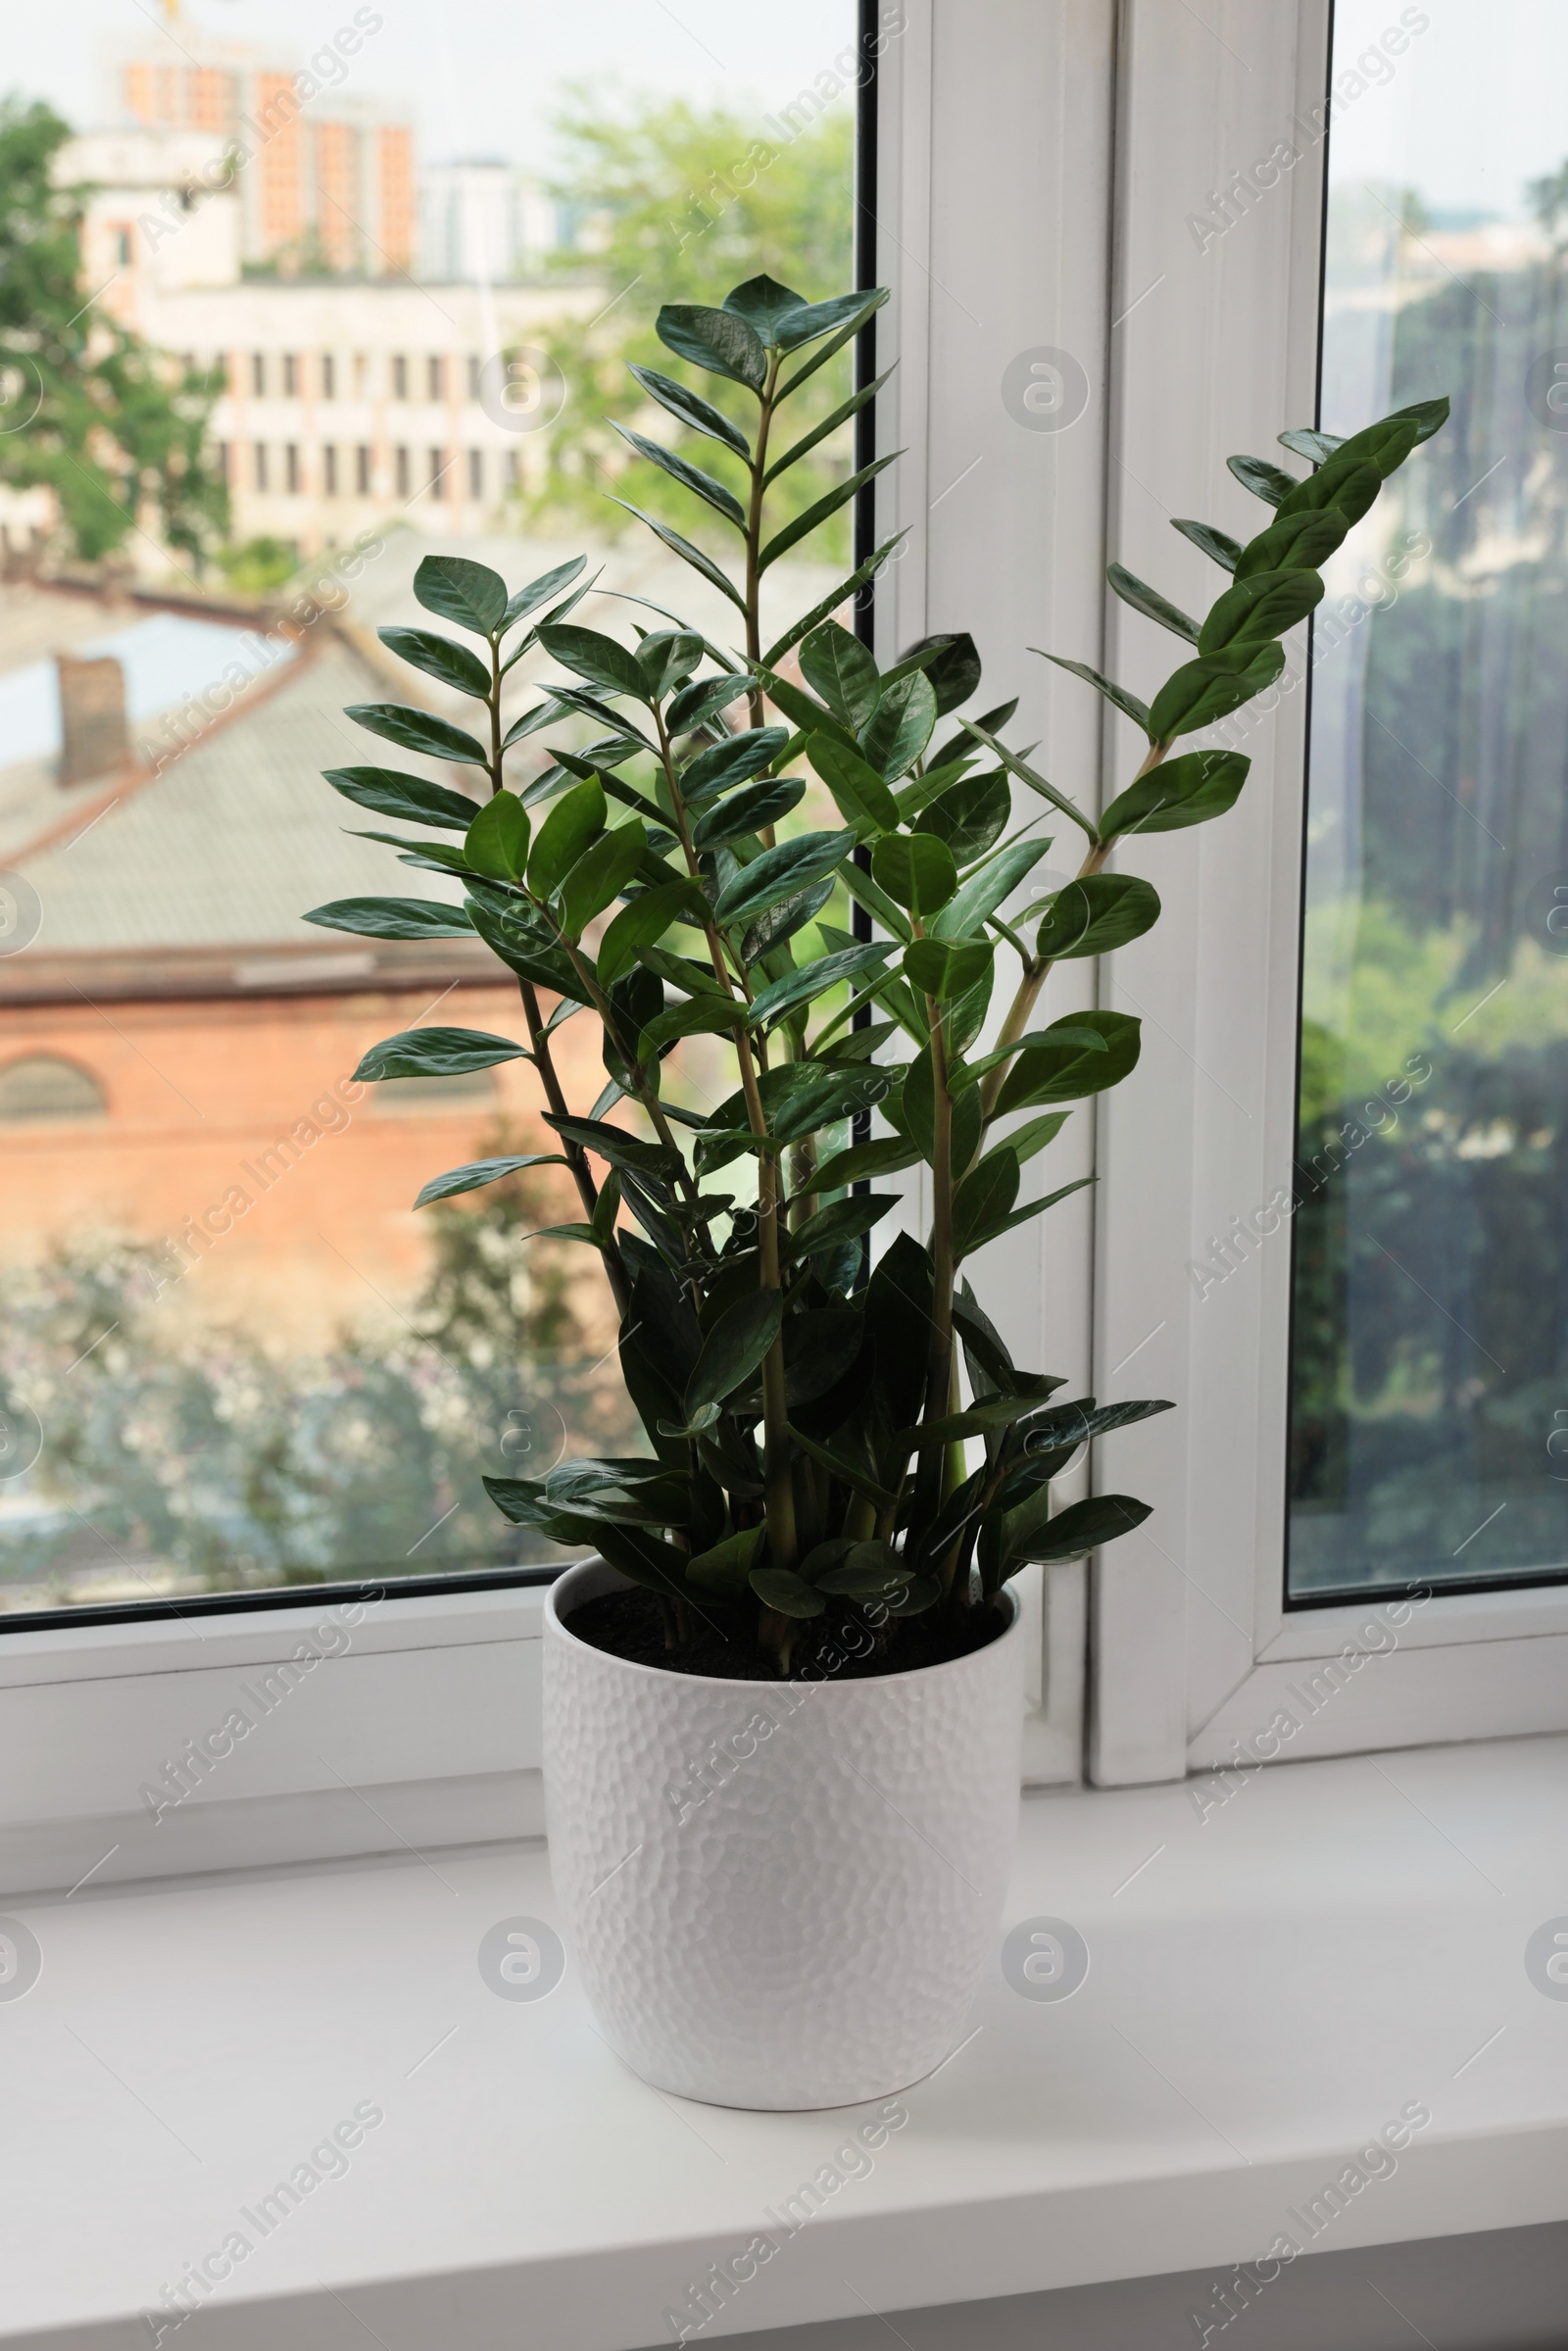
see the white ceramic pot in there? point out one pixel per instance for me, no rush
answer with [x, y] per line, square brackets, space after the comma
[780, 1893]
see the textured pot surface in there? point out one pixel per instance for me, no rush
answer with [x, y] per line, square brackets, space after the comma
[780, 1893]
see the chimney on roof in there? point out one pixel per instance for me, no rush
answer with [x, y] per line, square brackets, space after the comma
[93, 736]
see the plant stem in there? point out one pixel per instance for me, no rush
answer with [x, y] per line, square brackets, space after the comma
[939, 1355]
[754, 543]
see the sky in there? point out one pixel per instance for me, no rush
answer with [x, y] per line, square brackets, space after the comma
[1475, 105]
[479, 74]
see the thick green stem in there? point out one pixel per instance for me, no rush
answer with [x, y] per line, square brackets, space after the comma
[753, 544]
[939, 1355]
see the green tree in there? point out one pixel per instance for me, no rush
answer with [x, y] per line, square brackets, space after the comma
[113, 427]
[674, 203]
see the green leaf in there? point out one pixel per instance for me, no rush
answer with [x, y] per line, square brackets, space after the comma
[688, 554]
[692, 408]
[865, 893]
[667, 658]
[1015, 765]
[734, 761]
[497, 841]
[533, 956]
[853, 1474]
[835, 599]
[1259, 606]
[861, 796]
[986, 888]
[1128, 704]
[814, 515]
[782, 1589]
[982, 1419]
[748, 812]
[886, 1156]
[700, 703]
[411, 798]
[1025, 1141]
[1095, 914]
[628, 1153]
[418, 730]
[763, 303]
[733, 1349]
[970, 816]
[601, 659]
[815, 979]
[720, 341]
[392, 919]
[437, 1052]
[1217, 545]
[823, 1095]
[819, 1346]
[470, 594]
[480, 1172]
[1296, 543]
[1033, 1208]
[1268, 481]
[577, 818]
[917, 870]
[690, 477]
[1210, 688]
[1082, 1527]
[853, 321]
[454, 664]
[901, 726]
[643, 921]
[1067, 1071]
[840, 669]
[1189, 790]
[724, 1569]
[803, 710]
[604, 871]
[829, 424]
[840, 1221]
[945, 968]
[984, 1199]
[778, 873]
[540, 591]
[1149, 601]
[699, 1015]
[779, 922]
[918, 1109]
[808, 319]
[953, 667]
[1315, 446]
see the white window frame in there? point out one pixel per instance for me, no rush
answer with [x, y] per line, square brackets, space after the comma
[1197, 1664]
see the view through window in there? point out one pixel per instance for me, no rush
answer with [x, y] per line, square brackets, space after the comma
[291, 296]
[1429, 1434]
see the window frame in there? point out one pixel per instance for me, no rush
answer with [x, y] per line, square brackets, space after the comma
[1197, 1659]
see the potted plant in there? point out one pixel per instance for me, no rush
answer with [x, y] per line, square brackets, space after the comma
[783, 1701]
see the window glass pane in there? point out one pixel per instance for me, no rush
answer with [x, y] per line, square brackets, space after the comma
[381, 274]
[1430, 1409]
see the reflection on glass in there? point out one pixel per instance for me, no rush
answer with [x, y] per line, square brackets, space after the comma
[380, 276]
[1429, 1430]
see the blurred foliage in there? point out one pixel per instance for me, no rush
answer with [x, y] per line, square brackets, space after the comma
[676, 203]
[115, 430]
[198, 1460]
[258, 567]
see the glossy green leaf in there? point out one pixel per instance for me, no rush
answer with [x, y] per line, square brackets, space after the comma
[918, 1112]
[454, 664]
[437, 1052]
[828, 424]
[455, 589]
[915, 870]
[852, 320]
[1082, 1527]
[864, 890]
[840, 669]
[700, 562]
[778, 873]
[1263, 478]
[862, 798]
[840, 1221]
[1095, 914]
[418, 730]
[1312, 445]
[780, 921]
[700, 703]
[480, 1172]
[698, 1016]
[945, 968]
[733, 1349]
[734, 761]
[725, 1567]
[576, 820]
[690, 477]
[970, 816]
[629, 1154]
[835, 599]
[1217, 545]
[392, 919]
[497, 841]
[816, 978]
[692, 408]
[720, 341]
[988, 887]
[819, 1346]
[901, 726]
[808, 319]
[780, 1589]
[1296, 543]
[1067, 1071]
[887, 1156]
[412, 798]
[748, 810]
[851, 1473]
[1128, 704]
[1259, 606]
[606, 663]
[1189, 790]
[1016, 765]
[527, 951]
[1025, 1141]
[1211, 687]
[604, 870]
[983, 1200]
[1149, 601]
[765, 304]
[542, 590]
[818, 513]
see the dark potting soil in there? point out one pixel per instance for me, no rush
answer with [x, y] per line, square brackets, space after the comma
[845, 1648]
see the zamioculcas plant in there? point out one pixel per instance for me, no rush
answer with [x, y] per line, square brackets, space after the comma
[810, 1431]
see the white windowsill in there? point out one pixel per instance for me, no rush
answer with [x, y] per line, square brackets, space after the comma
[1267, 1987]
